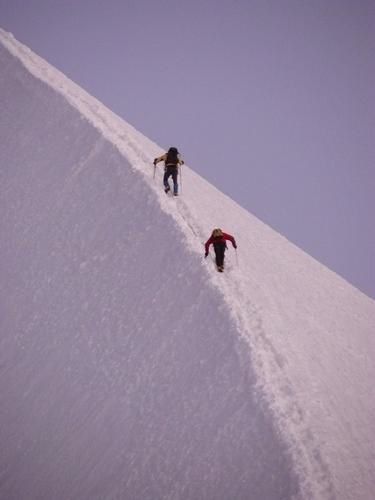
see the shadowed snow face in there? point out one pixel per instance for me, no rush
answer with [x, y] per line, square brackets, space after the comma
[123, 375]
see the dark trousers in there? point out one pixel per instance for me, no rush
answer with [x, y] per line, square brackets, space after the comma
[219, 253]
[171, 171]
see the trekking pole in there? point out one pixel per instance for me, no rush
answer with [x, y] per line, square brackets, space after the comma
[180, 172]
[154, 170]
[236, 257]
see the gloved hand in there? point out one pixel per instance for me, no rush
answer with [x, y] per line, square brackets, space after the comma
[155, 162]
[206, 254]
[235, 246]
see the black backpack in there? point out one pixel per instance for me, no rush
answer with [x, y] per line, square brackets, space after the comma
[172, 157]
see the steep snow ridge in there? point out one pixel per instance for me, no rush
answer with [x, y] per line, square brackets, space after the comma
[311, 334]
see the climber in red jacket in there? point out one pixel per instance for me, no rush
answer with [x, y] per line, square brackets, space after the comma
[218, 238]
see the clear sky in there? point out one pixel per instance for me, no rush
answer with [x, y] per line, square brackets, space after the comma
[272, 101]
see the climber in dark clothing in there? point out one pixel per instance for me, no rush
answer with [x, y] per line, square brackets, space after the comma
[171, 162]
[218, 238]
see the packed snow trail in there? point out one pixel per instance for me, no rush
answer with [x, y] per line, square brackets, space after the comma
[310, 334]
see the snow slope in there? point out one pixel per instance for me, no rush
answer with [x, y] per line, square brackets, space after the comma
[129, 367]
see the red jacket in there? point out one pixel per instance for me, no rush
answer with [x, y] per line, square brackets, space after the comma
[220, 239]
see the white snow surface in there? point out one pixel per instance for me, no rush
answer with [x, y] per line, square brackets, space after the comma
[129, 367]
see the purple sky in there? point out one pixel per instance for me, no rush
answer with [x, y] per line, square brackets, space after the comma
[273, 102]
